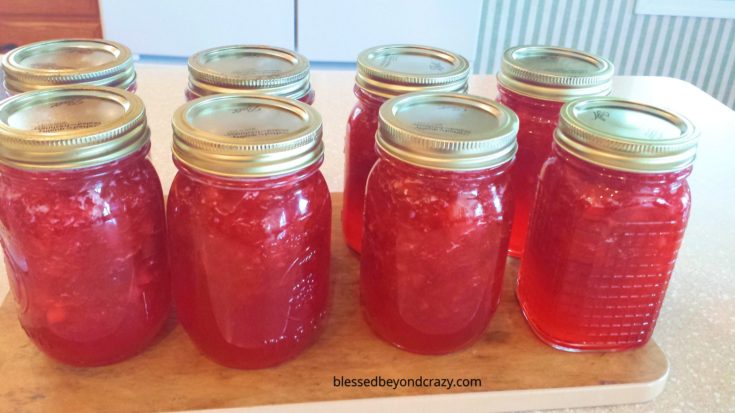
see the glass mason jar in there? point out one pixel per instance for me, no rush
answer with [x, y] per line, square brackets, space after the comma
[610, 213]
[249, 218]
[437, 220]
[64, 62]
[256, 70]
[384, 72]
[82, 223]
[535, 81]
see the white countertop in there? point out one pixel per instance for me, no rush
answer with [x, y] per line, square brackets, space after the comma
[696, 328]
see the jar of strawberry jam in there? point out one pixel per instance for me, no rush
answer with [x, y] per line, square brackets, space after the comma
[535, 81]
[609, 216]
[249, 218]
[82, 223]
[384, 72]
[53, 63]
[255, 70]
[437, 220]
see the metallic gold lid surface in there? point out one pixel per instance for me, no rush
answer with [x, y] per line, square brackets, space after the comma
[447, 131]
[554, 73]
[70, 128]
[52, 63]
[626, 135]
[249, 69]
[393, 70]
[243, 136]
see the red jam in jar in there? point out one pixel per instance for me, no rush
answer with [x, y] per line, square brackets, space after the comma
[535, 81]
[607, 223]
[384, 72]
[82, 223]
[437, 220]
[250, 69]
[64, 62]
[249, 218]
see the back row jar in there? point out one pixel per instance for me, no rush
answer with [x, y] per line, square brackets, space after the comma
[382, 73]
[535, 81]
[54, 63]
[250, 69]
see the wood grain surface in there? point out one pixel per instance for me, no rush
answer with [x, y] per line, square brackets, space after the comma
[173, 375]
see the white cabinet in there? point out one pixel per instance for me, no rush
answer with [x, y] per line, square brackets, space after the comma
[337, 30]
[323, 30]
[180, 28]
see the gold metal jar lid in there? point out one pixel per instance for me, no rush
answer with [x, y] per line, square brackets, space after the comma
[63, 62]
[249, 69]
[71, 127]
[554, 73]
[242, 136]
[448, 131]
[626, 135]
[396, 69]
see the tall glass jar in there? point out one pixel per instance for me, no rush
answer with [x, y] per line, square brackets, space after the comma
[384, 72]
[82, 223]
[437, 220]
[249, 218]
[608, 220]
[250, 69]
[64, 62]
[535, 81]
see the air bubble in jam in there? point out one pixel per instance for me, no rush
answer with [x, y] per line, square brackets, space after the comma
[434, 252]
[600, 252]
[250, 259]
[86, 260]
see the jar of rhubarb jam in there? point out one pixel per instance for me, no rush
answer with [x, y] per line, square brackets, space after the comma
[255, 70]
[82, 223]
[438, 211]
[54, 63]
[535, 81]
[249, 218]
[606, 226]
[384, 72]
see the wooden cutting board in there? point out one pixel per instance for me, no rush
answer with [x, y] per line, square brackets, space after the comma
[517, 370]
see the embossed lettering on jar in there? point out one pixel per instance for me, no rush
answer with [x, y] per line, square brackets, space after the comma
[82, 223]
[437, 220]
[535, 81]
[249, 219]
[609, 217]
[384, 72]
[250, 69]
[64, 62]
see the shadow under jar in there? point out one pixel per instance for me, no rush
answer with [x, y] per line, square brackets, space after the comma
[68, 62]
[535, 81]
[82, 223]
[384, 72]
[250, 69]
[610, 213]
[249, 218]
[437, 220]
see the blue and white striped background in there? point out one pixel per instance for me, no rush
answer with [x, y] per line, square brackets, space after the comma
[698, 50]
